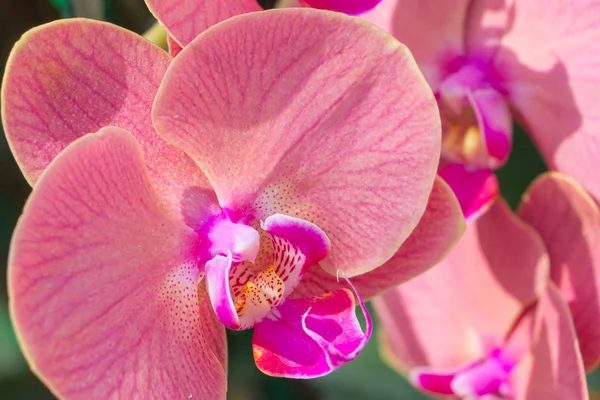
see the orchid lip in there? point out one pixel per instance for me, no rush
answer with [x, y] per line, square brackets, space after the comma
[489, 376]
[244, 290]
[310, 337]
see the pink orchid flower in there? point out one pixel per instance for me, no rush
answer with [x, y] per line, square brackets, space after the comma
[487, 323]
[275, 165]
[489, 62]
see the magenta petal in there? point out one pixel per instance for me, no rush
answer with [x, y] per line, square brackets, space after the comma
[103, 280]
[297, 244]
[309, 238]
[73, 77]
[186, 19]
[438, 231]
[219, 290]
[351, 7]
[553, 369]
[568, 221]
[310, 337]
[475, 190]
[433, 381]
[274, 133]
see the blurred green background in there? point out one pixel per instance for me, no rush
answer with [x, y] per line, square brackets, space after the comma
[365, 378]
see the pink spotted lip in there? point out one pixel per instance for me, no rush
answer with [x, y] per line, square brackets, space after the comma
[299, 338]
[243, 291]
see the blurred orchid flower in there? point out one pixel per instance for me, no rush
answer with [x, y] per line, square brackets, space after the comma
[507, 330]
[568, 221]
[266, 178]
[490, 61]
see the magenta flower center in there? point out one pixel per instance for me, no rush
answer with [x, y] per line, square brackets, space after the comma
[256, 266]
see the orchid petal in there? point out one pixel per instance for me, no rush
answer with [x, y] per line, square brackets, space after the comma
[433, 47]
[310, 337]
[568, 221]
[352, 7]
[438, 230]
[434, 381]
[73, 77]
[219, 290]
[553, 369]
[186, 19]
[356, 155]
[546, 58]
[476, 190]
[473, 294]
[296, 244]
[102, 282]
[495, 122]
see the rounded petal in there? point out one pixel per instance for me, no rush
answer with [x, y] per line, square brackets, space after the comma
[548, 60]
[310, 114]
[438, 231]
[432, 30]
[72, 77]
[553, 369]
[186, 19]
[568, 221]
[472, 295]
[102, 282]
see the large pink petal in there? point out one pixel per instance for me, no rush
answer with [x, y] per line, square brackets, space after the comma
[102, 282]
[438, 231]
[475, 295]
[310, 337]
[568, 221]
[548, 61]
[432, 30]
[73, 77]
[310, 114]
[186, 19]
[553, 369]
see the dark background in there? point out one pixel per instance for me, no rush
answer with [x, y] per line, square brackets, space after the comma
[365, 378]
